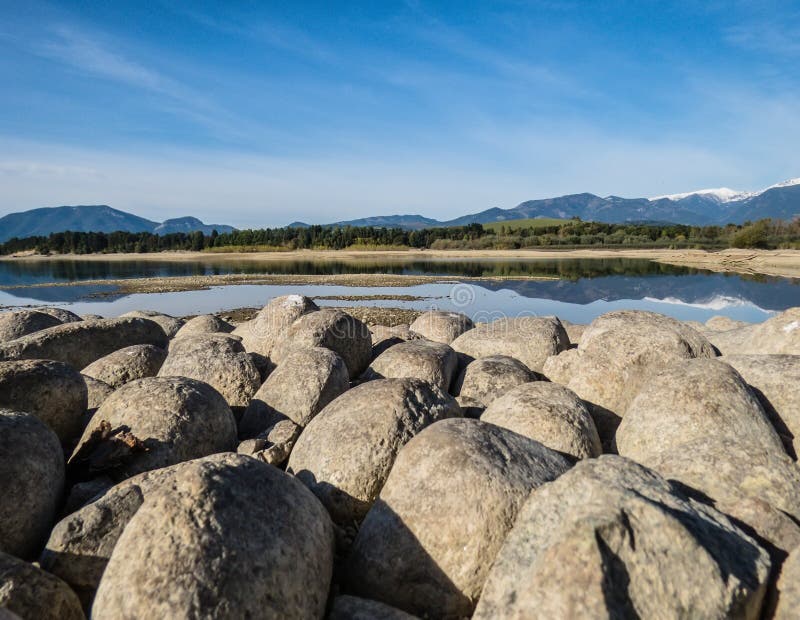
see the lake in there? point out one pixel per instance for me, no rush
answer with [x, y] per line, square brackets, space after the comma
[584, 289]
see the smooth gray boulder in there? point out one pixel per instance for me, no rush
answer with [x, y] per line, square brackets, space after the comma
[30, 592]
[531, 340]
[31, 482]
[440, 326]
[617, 353]
[549, 413]
[19, 323]
[688, 400]
[346, 607]
[151, 423]
[169, 324]
[81, 343]
[346, 452]
[81, 543]
[63, 315]
[332, 329]
[125, 365]
[253, 543]
[789, 588]
[203, 324]
[777, 335]
[453, 494]
[260, 334]
[52, 391]
[233, 518]
[758, 486]
[772, 379]
[433, 362]
[486, 378]
[216, 359]
[305, 382]
[611, 539]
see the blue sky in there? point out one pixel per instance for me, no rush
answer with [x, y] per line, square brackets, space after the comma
[261, 113]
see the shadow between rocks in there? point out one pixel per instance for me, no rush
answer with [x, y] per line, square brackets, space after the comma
[388, 563]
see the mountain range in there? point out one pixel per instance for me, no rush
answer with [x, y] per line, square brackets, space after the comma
[94, 218]
[701, 207]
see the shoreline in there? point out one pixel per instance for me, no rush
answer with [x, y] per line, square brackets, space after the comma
[779, 263]
[767, 262]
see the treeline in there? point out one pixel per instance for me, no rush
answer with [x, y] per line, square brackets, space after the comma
[573, 233]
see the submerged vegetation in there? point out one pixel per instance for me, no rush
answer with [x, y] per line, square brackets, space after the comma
[509, 235]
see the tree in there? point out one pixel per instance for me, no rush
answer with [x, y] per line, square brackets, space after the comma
[752, 236]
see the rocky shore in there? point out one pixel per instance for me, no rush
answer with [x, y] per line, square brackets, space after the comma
[298, 462]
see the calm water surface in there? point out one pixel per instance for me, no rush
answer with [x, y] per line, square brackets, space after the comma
[585, 288]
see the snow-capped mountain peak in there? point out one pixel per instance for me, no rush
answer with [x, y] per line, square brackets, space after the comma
[787, 183]
[720, 194]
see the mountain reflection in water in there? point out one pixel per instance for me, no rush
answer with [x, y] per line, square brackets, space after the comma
[584, 288]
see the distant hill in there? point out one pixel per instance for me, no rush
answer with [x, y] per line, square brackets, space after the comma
[189, 224]
[93, 218]
[700, 208]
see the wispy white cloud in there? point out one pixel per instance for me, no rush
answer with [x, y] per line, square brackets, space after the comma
[75, 48]
[101, 56]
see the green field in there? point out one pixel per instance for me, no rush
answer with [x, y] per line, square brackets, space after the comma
[535, 222]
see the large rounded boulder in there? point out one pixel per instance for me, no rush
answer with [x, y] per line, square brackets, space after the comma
[332, 329]
[450, 499]
[31, 482]
[22, 322]
[81, 343]
[260, 334]
[52, 391]
[222, 536]
[346, 452]
[82, 542]
[433, 362]
[305, 382]
[30, 592]
[772, 377]
[549, 413]
[233, 538]
[616, 355]
[756, 485]
[441, 326]
[151, 423]
[169, 324]
[203, 324]
[777, 335]
[125, 365]
[688, 400]
[216, 359]
[611, 539]
[489, 377]
[62, 314]
[531, 340]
